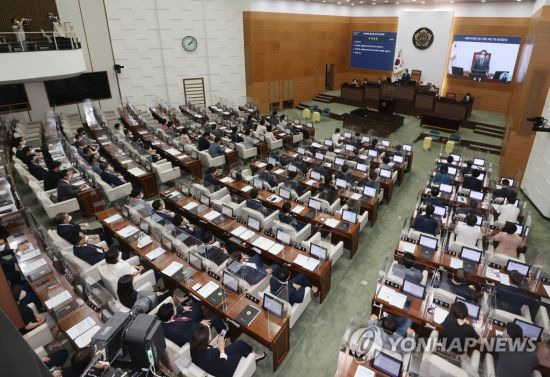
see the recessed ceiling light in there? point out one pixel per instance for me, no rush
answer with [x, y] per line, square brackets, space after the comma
[385, 1]
[361, 2]
[397, 3]
[518, 0]
[339, 2]
[414, 1]
[423, 2]
[452, 1]
[352, 4]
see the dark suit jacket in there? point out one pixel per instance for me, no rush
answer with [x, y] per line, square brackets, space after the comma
[345, 176]
[294, 295]
[236, 138]
[66, 191]
[286, 218]
[298, 187]
[254, 204]
[513, 364]
[203, 144]
[50, 180]
[478, 65]
[472, 183]
[179, 332]
[328, 193]
[89, 254]
[406, 77]
[111, 179]
[37, 171]
[210, 362]
[69, 232]
[269, 178]
[511, 299]
[166, 217]
[425, 224]
[507, 193]
[209, 178]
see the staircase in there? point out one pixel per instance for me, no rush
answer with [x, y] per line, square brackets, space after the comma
[323, 98]
[490, 130]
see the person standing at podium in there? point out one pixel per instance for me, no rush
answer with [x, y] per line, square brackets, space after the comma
[406, 76]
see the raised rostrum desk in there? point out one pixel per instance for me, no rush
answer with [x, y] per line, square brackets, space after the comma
[440, 121]
[270, 331]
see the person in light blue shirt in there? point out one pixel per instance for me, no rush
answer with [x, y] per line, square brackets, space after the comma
[442, 175]
[215, 150]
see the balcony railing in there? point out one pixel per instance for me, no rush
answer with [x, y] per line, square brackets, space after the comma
[60, 39]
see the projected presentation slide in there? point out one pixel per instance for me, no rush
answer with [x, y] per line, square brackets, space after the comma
[482, 57]
[374, 50]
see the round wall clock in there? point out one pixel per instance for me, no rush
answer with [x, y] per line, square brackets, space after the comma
[423, 38]
[189, 43]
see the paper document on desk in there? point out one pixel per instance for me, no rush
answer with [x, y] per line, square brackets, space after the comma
[456, 263]
[298, 209]
[27, 268]
[58, 299]
[311, 264]
[440, 314]
[85, 339]
[238, 231]
[125, 161]
[112, 219]
[189, 206]
[136, 172]
[172, 151]
[356, 196]
[208, 289]
[261, 164]
[263, 243]
[311, 182]
[504, 279]
[327, 164]
[361, 371]
[246, 235]
[316, 145]
[154, 254]
[173, 194]
[547, 289]
[172, 268]
[385, 293]
[301, 260]
[246, 188]
[228, 150]
[332, 222]
[275, 198]
[279, 171]
[79, 182]
[28, 255]
[212, 215]
[81, 327]
[227, 180]
[398, 300]
[276, 248]
[408, 247]
[127, 231]
[492, 273]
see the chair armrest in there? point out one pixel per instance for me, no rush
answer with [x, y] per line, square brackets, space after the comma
[39, 336]
[40, 352]
[134, 261]
[146, 279]
[246, 367]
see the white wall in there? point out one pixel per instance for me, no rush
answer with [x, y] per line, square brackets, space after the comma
[146, 37]
[430, 61]
[536, 180]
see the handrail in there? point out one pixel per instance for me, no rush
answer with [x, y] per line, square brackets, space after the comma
[58, 39]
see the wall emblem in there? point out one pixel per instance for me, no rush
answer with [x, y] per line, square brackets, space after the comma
[423, 38]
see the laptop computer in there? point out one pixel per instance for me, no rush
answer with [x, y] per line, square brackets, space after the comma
[471, 258]
[428, 246]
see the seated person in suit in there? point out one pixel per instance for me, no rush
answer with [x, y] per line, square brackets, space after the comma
[210, 181]
[468, 168]
[35, 169]
[506, 192]
[291, 183]
[253, 202]
[273, 118]
[65, 190]
[386, 160]
[467, 98]
[70, 231]
[248, 141]
[405, 269]
[89, 253]
[119, 267]
[456, 329]
[256, 262]
[269, 132]
[52, 176]
[459, 285]
[507, 212]
[330, 152]
[399, 152]
[508, 240]
[513, 297]
[467, 232]
[19, 143]
[512, 362]
[472, 182]
[245, 270]
[326, 191]
[426, 223]
[179, 323]
[136, 200]
[159, 208]
[88, 153]
[432, 198]
[394, 326]
[30, 320]
[108, 175]
[214, 149]
[472, 208]
[211, 249]
[9, 262]
[204, 144]
[344, 174]
[481, 62]
[235, 137]
[268, 177]
[219, 361]
[96, 164]
[185, 226]
[286, 217]
[296, 286]
[357, 141]
[406, 76]
[442, 175]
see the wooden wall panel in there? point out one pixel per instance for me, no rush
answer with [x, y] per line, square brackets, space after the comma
[36, 10]
[489, 96]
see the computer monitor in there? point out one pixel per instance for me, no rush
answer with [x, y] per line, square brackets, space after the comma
[509, 179]
[227, 211]
[529, 330]
[361, 167]
[385, 142]
[342, 183]
[526, 232]
[271, 160]
[373, 153]
[319, 156]
[350, 148]
[339, 161]
[477, 195]
[519, 229]
[195, 261]
[301, 150]
[413, 289]
[479, 161]
[205, 200]
[314, 204]
[328, 142]
[385, 173]
[258, 183]
[522, 268]
[443, 187]
[231, 282]
[349, 216]
[428, 242]
[125, 211]
[479, 220]
[347, 135]
[369, 191]
[292, 167]
[440, 211]
[273, 305]
[283, 236]
[407, 147]
[365, 139]
[167, 243]
[456, 157]
[397, 158]
[253, 223]
[473, 309]
[318, 251]
[451, 170]
[387, 364]
[144, 225]
[315, 175]
[471, 255]
[284, 193]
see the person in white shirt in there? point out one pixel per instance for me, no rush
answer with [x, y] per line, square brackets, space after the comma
[248, 141]
[119, 267]
[507, 212]
[336, 136]
[270, 133]
[467, 232]
[261, 129]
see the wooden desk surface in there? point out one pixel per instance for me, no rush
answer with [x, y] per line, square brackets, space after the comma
[348, 365]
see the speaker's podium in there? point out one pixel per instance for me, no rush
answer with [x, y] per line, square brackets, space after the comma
[386, 106]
